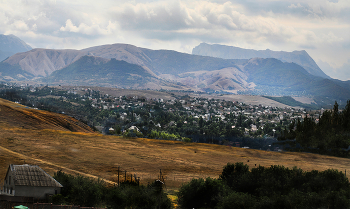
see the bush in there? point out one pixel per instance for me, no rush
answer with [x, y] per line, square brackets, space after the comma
[86, 192]
[200, 193]
[132, 196]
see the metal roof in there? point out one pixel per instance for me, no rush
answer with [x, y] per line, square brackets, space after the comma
[32, 175]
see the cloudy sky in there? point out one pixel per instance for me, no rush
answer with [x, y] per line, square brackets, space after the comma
[321, 27]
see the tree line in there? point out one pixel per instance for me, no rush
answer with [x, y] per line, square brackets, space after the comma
[328, 134]
[267, 187]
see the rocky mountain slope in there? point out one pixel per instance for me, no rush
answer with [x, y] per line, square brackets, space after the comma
[42, 62]
[301, 58]
[10, 45]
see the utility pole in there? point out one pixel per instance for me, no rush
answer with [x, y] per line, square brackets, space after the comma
[118, 175]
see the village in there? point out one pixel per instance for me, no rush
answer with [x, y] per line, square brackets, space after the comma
[193, 117]
[174, 116]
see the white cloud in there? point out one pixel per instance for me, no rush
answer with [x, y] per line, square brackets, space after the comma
[163, 17]
[92, 30]
[20, 25]
[293, 6]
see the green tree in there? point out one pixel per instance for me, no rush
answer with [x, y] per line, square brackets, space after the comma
[200, 193]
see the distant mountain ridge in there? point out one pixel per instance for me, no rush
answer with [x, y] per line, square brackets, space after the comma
[128, 66]
[10, 45]
[301, 58]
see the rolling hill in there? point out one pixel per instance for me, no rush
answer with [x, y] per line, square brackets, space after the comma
[97, 71]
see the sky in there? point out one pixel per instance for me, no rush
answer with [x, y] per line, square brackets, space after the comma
[321, 27]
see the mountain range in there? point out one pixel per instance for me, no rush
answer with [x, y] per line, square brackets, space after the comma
[127, 66]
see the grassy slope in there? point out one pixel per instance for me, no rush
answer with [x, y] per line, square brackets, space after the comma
[21, 116]
[100, 156]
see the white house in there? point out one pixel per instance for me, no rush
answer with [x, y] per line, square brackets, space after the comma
[29, 181]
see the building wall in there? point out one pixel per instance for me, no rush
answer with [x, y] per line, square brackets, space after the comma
[9, 185]
[36, 192]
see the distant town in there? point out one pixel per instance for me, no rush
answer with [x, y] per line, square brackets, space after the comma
[186, 118]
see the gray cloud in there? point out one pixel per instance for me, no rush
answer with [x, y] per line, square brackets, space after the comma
[320, 26]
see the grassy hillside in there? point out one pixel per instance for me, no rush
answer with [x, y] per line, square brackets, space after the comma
[99, 156]
[17, 115]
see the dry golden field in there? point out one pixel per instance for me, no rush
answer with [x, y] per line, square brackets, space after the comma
[99, 156]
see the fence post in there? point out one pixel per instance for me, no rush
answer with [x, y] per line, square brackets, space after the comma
[125, 176]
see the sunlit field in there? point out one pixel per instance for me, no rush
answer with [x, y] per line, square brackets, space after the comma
[99, 156]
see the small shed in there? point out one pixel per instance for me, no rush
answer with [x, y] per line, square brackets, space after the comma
[29, 181]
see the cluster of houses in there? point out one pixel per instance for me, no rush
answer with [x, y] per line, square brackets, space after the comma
[205, 108]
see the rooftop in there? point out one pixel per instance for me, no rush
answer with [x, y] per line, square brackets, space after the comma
[32, 175]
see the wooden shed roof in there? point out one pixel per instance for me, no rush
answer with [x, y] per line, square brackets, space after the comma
[32, 175]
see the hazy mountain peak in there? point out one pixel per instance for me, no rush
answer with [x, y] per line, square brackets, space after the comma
[301, 58]
[10, 45]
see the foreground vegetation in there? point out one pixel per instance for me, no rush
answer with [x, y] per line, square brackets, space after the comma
[237, 187]
[267, 187]
[86, 192]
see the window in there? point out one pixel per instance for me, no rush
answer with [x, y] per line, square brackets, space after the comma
[9, 179]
